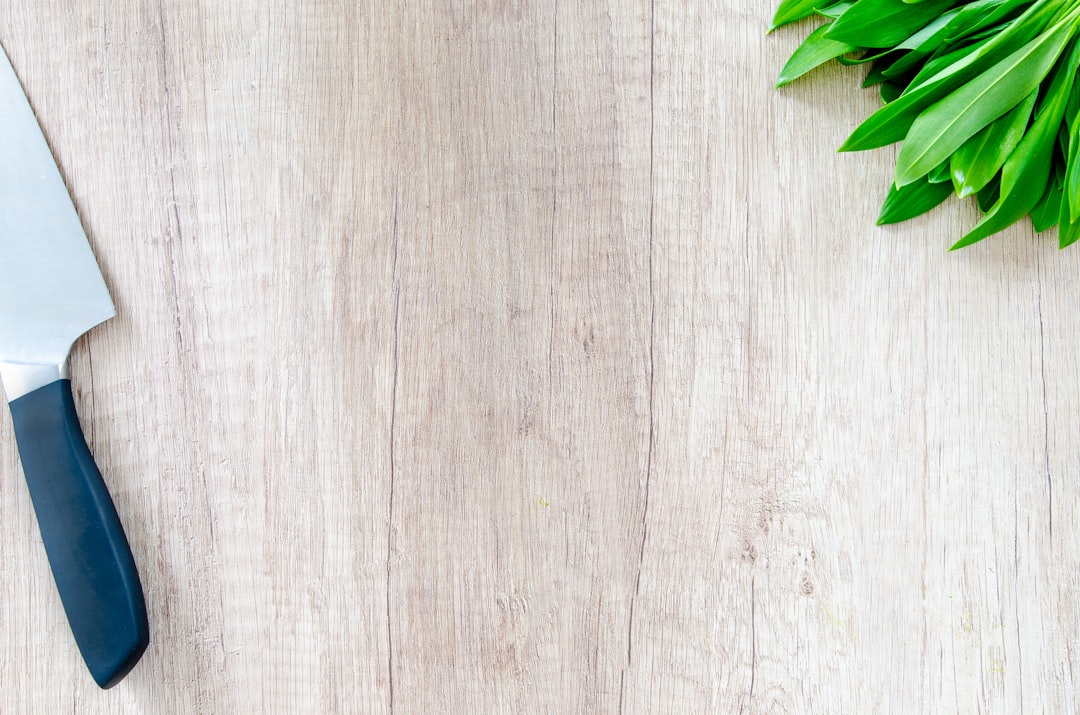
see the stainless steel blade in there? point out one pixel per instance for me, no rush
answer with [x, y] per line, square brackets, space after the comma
[51, 289]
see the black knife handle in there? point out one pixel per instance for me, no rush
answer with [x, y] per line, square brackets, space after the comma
[89, 554]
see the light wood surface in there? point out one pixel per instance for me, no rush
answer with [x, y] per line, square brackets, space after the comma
[520, 357]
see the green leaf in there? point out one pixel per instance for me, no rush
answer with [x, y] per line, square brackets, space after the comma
[912, 200]
[948, 61]
[862, 59]
[941, 130]
[815, 50]
[834, 11]
[995, 44]
[1045, 214]
[978, 16]
[944, 74]
[1073, 109]
[1024, 177]
[890, 91]
[908, 65]
[940, 174]
[983, 93]
[792, 10]
[931, 34]
[1068, 231]
[876, 75]
[1072, 173]
[989, 194]
[885, 23]
[982, 156]
[941, 76]
[891, 123]
[1068, 227]
[921, 45]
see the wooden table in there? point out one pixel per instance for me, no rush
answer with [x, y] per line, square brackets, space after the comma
[520, 357]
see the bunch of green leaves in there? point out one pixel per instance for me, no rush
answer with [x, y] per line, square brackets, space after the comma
[982, 93]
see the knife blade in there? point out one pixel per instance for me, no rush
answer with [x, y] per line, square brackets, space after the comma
[51, 293]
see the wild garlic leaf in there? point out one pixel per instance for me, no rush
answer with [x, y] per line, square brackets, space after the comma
[890, 92]
[931, 34]
[816, 50]
[912, 200]
[941, 76]
[1024, 177]
[1068, 227]
[1072, 171]
[909, 64]
[885, 23]
[1010, 207]
[947, 61]
[875, 56]
[940, 174]
[989, 194]
[1069, 144]
[1068, 231]
[921, 45]
[876, 75]
[1073, 109]
[982, 156]
[984, 95]
[891, 123]
[793, 10]
[976, 17]
[834, 11]
[971, 59]
[941, 130]
[983, 34]
[1045, 214]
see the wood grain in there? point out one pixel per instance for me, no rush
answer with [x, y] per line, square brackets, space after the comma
[517, 357]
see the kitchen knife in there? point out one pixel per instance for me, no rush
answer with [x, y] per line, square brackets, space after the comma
[51, 292]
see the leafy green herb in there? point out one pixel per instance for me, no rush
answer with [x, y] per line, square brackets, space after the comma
[1072, 172]
[815, 50]
[911, 200]
[885, 23]
[981, 156]
[793, 10]
[982, 93]
[941, 129]
[1045, 213]
[1027, 170]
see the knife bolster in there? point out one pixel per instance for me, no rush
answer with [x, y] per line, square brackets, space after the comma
[21, 379]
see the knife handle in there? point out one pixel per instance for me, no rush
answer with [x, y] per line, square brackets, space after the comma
[89, 554]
